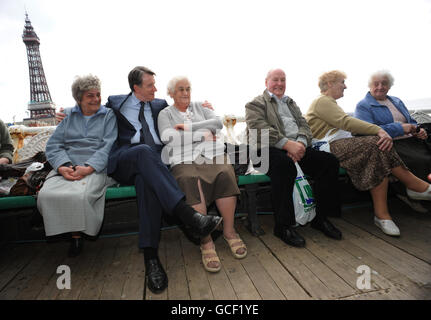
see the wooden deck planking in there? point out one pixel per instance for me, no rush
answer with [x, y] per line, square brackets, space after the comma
[384, 275]
[92, 288]
[238, 277]
[288, 286]
[405, 263]
[263, 282]
[175, 267]
[81, 269]
[415, 235]
[30, 281]
[116, 272]
[221, 286]
[345, 252]
[340, 261]
[315, 277]
[113, 268]
[134, 284]
[50, 291]
[15, 259]
[199, 286]
[382, 271]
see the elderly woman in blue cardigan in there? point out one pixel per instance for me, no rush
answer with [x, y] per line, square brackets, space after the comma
[72, 199]
[391, 114]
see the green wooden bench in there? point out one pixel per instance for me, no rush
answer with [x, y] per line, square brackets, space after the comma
[250, 184]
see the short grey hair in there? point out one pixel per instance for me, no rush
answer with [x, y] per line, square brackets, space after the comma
[381, 73]
[82, 84]
[173, 83]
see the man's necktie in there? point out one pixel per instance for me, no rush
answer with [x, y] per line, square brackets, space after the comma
[146, 136]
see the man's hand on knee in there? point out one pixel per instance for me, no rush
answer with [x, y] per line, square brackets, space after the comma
[295, 150]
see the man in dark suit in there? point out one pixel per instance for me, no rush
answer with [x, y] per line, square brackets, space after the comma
[135, 160]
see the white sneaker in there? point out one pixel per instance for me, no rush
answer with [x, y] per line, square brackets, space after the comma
[426, 195]
[387, 226]
[415, 205]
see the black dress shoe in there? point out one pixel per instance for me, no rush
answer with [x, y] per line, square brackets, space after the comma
[327, 228]
[201, 225]
[76, 246]
[187, 231]
[157, 279]
[290, 236]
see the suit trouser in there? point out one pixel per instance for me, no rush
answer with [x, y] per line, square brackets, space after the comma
[321, 166]
[156, 189]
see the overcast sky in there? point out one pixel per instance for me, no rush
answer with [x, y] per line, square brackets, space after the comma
[225, 47]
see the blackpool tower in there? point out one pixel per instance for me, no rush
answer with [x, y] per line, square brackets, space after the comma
[40, 106]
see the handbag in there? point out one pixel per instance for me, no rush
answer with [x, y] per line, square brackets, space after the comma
[239, 157]
[18, 169]
[303, 199]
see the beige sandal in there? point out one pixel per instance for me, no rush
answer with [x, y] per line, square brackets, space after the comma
[207, 260]
[236, 244]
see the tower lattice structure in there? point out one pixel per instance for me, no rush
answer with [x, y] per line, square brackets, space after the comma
[40, 105]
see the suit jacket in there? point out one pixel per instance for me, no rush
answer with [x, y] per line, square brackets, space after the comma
[125, 129]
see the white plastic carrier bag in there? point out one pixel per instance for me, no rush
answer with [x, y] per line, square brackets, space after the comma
[303, 199]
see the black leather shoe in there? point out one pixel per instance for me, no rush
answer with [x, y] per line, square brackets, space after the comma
[187, 231]
[327, 228]
[157, 279]
[202, 226]
[290, 236]
[76, 246]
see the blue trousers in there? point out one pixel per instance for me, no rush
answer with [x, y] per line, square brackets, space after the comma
[157, 191]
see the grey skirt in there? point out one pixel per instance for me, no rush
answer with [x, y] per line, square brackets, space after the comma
[217, 181]
[364, 162]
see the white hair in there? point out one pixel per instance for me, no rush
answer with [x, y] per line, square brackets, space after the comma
[271, 71]
[173, 83]
[383, 74]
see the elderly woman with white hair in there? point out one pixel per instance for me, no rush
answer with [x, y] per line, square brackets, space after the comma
[369, 159]
[72, 199]
[199, 165]
[391, 114]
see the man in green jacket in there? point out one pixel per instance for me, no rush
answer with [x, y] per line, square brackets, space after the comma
[276, 115]
[6, 145]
